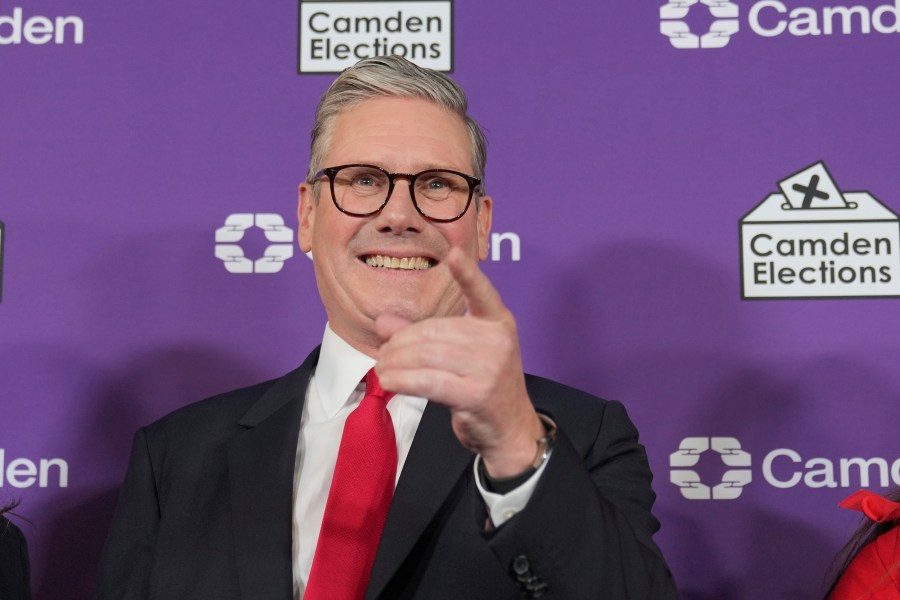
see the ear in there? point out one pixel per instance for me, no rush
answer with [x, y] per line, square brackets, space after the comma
[483, 224]
[306, 216]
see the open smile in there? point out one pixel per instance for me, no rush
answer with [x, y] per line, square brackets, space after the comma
[412, 263]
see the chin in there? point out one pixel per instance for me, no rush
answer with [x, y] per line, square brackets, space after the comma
[411, 311]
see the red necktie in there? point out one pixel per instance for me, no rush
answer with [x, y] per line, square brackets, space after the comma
[358, 502]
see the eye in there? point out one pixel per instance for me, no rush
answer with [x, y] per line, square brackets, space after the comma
[437, 182]
[365, 180]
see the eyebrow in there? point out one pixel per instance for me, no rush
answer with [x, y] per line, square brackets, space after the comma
[418, 169]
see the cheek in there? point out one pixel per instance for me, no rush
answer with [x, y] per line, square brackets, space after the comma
[469, 238]
[329, 237]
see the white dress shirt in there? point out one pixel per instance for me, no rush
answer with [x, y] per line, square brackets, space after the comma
[335, 390]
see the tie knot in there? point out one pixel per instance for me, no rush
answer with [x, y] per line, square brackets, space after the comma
[373, 387]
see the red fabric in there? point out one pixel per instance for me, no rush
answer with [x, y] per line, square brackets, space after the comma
[874, 574]
[877, 508]
[358, 501]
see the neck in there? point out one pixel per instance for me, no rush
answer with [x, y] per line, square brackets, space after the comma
[368, 344]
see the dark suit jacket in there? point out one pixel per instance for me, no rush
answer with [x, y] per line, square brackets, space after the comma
[14, 565]
[205, 511]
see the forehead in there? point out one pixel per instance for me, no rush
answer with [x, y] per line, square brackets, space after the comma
[400, 134]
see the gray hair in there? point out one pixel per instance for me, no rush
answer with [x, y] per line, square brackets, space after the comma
[390, 76]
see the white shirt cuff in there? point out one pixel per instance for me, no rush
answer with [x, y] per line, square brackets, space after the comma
[503, 507]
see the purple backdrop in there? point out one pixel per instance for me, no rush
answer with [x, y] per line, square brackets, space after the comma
[621, 167]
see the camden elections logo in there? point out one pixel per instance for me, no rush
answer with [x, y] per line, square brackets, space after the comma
[505, 246]
[280, 249]
[22, 473]
[813, 240]
[19, 27]
[335, 34]
[673, 25]
[780, 468]
[774, 18]
[688, 480]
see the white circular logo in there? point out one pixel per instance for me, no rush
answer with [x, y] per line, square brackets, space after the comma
[679, 32]
[688, 480]
[275, 255]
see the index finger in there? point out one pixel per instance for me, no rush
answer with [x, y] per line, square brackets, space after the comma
[482, 298]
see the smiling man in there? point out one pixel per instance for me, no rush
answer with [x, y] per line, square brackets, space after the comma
[409, 456]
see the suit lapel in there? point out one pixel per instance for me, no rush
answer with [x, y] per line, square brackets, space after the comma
[435, 464]
[261, 476]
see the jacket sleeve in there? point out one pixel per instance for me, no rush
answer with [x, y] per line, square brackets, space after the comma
[587, 530]
[127, 557]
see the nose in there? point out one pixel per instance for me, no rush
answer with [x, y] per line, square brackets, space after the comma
[400, 214]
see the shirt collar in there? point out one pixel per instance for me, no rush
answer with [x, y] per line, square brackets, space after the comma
[341, 368]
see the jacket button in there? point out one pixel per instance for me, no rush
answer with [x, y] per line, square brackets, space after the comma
[520, 565]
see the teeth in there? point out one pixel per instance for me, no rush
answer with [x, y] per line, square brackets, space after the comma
[405, 263]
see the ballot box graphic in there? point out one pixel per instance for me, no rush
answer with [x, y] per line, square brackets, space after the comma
[813, 240]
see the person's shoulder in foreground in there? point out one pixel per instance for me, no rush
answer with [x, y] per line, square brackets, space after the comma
[14, 564]
[871, 559]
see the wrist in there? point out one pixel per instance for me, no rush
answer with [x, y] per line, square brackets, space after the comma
[529, 454]
[546, 442]
[503, 485]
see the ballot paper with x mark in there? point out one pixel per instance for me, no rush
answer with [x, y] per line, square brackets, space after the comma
[813, 187]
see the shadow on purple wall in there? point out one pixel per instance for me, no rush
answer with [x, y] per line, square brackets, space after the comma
[661, 330]
[68, 544]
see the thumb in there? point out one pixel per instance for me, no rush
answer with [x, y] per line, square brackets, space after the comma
[387, 324]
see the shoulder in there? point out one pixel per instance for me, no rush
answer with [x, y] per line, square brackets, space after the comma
[189, 445]
[556, 398]
[581, 415]
[211, 413]
[10, 536]
[13, 553]
[228, 409]
[874, 571]
[552, 392]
